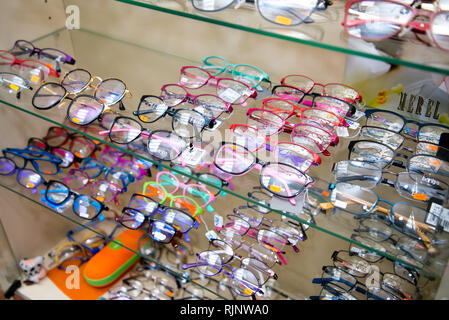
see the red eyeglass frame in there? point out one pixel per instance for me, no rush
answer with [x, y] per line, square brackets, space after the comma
[52, 72]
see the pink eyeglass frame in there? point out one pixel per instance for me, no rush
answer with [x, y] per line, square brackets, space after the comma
[217, 82]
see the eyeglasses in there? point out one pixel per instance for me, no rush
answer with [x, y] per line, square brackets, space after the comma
[155, 190]
[277, 234]
[44, 162]
[332, 291]
[159, 230]
[280, 12]
[210, 105]
[109, 91]
[66, 156]
[316, 138]
[410, 185]
[286, 152]
[281, 179]
[270, 239]
[115, 159]
[55, 56]
[336, 90]
[199, 191]
[345, 280]
[27, 178]
[377, 20]
[227, 254]
[100, 189]
[358, 200]
[39, 70]
[241, 280]
[94, 168]
[147, 206]
[14, 83]
[427, 132]
[217, 182]
[270, 120]
[293, 233]
[57, 193]
[249, 74]
[356, 266]
[79, 145]
[230, 90]
[337, 106]
[186, 122]
[383, 155]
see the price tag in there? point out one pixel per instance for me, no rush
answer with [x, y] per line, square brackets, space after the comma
[352, 124]
[230, 95]
[218, 221]
[438, 216]
[35, 79]
[342, 132]
[192, 157]
[211, 235]
[14, 87]
[340, 204]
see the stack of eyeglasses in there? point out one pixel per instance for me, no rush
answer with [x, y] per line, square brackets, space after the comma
[282, 12]
[424, 182]
[343, 280]
[25, 65]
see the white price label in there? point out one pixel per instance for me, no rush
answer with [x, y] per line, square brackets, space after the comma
[340, 204]
[230, 95]
[170, 217]
[154, 145]
[211, 235]
[342, 132]
[193, 157]
[218, 221]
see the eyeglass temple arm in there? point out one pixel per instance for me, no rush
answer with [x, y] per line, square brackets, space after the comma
[385, 211]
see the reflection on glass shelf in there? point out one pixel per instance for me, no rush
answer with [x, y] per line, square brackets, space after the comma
[86, 43]
[325, 32]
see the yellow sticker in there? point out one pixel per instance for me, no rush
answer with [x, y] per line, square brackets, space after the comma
[35, 79]
[78, 154]
[100, 198]
[169, 293]
[420, 196]
[249, 291]
[75, 120]
[432, 147]
[275, 188]
[47, 172]
[49, 65]
[30, 185]
[14, 87]
[283, 20]
[143, 118]
[325, 193]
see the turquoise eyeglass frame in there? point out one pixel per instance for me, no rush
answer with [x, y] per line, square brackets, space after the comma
[231, 69]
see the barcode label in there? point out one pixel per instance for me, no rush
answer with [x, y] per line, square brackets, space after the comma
[438, 216]
[192, 157]
[342, 132]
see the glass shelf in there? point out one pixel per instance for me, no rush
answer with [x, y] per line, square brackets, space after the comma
[88, 45]
[326, 32]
